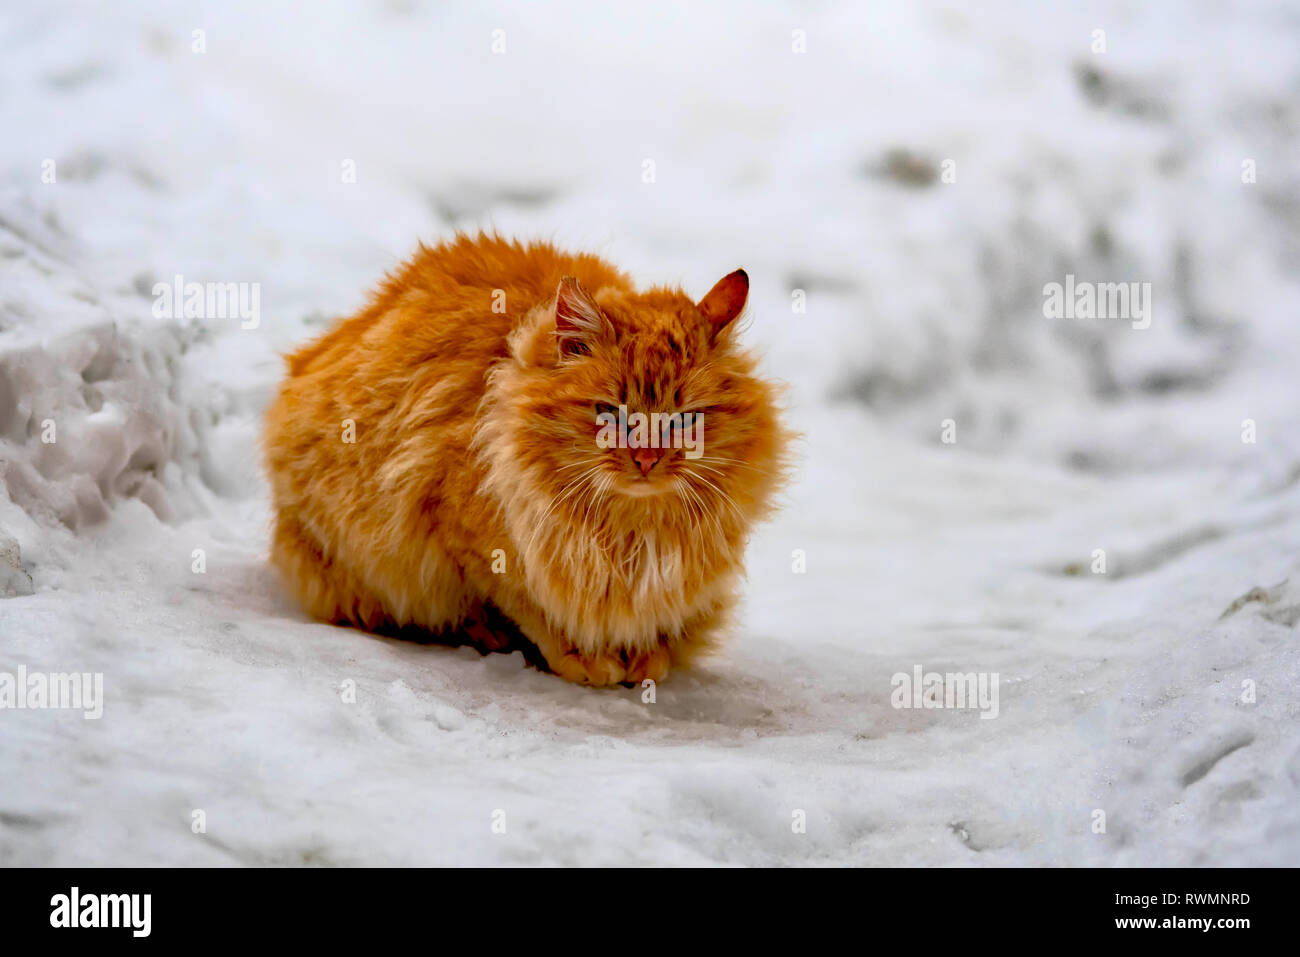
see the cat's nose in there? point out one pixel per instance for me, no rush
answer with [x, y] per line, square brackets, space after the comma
[646, 459]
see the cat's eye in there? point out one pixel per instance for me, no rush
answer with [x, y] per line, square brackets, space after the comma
[684, 421]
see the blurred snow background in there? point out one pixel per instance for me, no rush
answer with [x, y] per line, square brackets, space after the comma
[819, 171]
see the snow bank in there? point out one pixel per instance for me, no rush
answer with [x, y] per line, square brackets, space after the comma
[93, 406]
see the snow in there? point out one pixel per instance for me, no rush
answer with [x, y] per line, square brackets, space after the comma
[1162, 692]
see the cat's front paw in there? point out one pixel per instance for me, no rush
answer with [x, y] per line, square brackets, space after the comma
[650, 665]
[598, 670]
[602, 669]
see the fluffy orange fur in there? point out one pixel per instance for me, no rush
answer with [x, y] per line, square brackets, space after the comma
[434, 459]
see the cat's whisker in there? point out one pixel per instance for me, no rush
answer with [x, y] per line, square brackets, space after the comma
[594, 490]
[715, 519]
[569, 489]
[693, 507]
[724, 495]
[727, 499]
[718, 472]
[703, 510]
[679, 488]
[737, 463]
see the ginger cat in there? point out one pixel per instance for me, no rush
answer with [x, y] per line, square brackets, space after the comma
[469, 444]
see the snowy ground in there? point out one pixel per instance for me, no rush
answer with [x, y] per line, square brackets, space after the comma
[1128, 692]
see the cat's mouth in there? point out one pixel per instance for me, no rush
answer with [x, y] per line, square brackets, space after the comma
[641, 487]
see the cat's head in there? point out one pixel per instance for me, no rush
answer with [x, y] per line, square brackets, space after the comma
[644, 401]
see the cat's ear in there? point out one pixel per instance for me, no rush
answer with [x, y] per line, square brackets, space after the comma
[578, 320]
[725, 300]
